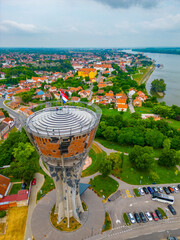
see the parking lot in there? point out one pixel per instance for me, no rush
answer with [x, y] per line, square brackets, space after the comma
[128, 202]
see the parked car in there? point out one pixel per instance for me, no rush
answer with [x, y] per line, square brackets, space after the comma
[141, 191]
[141, 214]
[158, 214]
[178, 186]
[34, 181]
[166, 190]
[160, 189]
[172, 238]
[171, 209]
[154, 189]
[148, 216]
[136, 215]
[150, 190]
[171, 189]
[131, 218]
[176, 190]
[145, 190]
[154, 216]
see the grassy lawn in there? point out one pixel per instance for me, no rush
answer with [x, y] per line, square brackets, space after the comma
[97, 156]
[133, 176]
[140, 73]
[104, 186]
[15, 188]
[47, 186]
[113, 145]
[107, 223]
[122, 148]
[173, 123]
[126, 219]
[113, 112]
[16, 223]
[143, 110]
[136, 192]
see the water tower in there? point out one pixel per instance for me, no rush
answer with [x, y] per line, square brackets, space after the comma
[63, 137]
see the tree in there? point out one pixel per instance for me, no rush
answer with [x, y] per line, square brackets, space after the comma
[116, 160]
[158, 85]
[110, 133]
[169, 157]
[142, 157]
[106, 167]
[24, 165]
[154, 138]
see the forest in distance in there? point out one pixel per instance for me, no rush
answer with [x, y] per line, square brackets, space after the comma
[163, 50]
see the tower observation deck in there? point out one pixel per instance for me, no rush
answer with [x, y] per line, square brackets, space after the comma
[63, 137]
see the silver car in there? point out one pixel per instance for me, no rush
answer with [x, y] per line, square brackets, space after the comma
[141, 191]
[160, 189]
[175, 189]
[131, 218]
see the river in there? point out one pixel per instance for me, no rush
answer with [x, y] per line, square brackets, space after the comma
[170, 73]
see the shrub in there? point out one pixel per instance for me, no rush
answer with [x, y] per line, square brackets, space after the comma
[2, 214]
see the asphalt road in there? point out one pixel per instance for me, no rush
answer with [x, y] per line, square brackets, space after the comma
[19, 120]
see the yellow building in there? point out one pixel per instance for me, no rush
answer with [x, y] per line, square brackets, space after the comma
[87, 72]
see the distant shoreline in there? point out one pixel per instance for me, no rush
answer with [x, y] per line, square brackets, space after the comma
[173, 51]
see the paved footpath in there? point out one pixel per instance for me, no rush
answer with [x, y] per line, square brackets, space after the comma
[43, 230]
[32, 204]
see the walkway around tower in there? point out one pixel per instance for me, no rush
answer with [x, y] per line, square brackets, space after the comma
[91, 225]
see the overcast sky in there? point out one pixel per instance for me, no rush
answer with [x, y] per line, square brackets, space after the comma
[89, 23]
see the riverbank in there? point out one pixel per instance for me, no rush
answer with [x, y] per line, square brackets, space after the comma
[147, 75]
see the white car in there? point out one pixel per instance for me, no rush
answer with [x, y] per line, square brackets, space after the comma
[131, 218]
[175, 189]
[148, 215]
[141, 191]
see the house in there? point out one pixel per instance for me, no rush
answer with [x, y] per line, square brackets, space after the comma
[25, 111]
[121, 95]
[84, 94]
[121, 101]
[100, 91]
[102, 85]
[137, 102]
[155, 116]
[9, 121]
[5, 184]
[4, 128]
[87, 72]
[132, 91]
[75, 99]
[110, 94]
[39, 92]
[57, 95]
[14, 105]
[122, 107]
[15, 200]
[52, 89]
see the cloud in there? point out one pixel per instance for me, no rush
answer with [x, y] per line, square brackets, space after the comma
[12, 26]
[129, 3]
[169, 22]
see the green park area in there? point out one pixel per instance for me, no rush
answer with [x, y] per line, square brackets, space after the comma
[103, 185]
[141, 73]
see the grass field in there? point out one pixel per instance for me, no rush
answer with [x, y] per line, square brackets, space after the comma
[122, 148]
[16, 223]
[135, 177]
[173, 123]
[141, 73]
[104, 186]
[113, 112]
[47, 186]
[107, 223]
[97, 155]
[15, 188]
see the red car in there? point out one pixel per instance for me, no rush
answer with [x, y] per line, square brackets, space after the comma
[154, 216]
[34, 181]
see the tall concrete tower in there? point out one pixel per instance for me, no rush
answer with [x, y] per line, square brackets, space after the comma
[63, 137]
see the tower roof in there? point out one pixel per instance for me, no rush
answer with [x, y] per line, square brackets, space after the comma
[61, 121]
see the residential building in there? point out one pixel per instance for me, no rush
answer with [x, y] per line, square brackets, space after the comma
[87, 72]
[5, 184]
